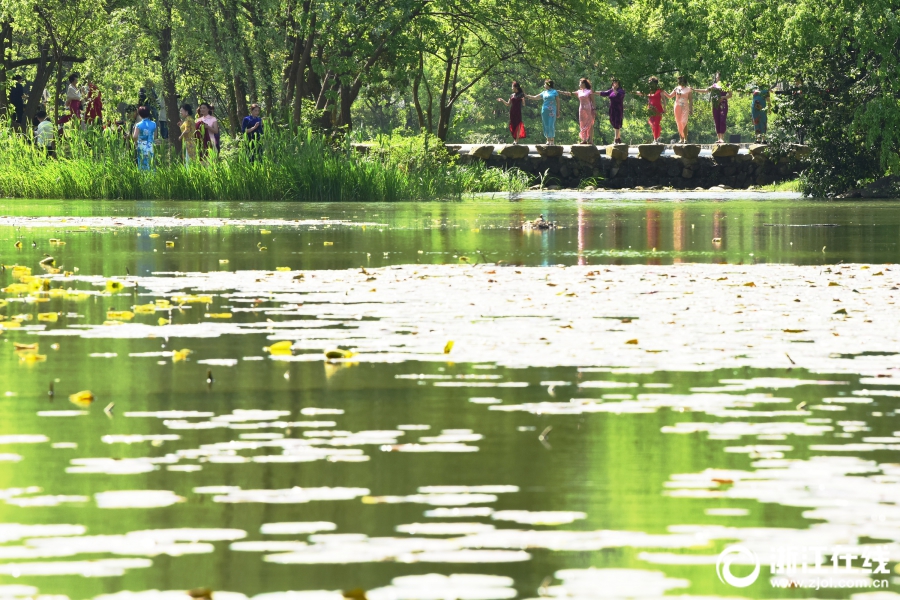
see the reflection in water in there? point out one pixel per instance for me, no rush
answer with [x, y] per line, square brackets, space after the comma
[589, 434]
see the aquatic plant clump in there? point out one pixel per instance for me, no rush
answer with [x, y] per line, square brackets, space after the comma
[99, 164]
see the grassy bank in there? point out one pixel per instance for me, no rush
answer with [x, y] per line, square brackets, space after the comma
[308, 166]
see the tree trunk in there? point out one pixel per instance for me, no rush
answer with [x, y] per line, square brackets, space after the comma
[42, 77]
[5, 35]
[301, 69]
[345, 119]
[415, 92]
[168, 77]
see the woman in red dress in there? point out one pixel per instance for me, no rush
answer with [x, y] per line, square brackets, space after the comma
[93, 112]
[515, 104]
[655, 107]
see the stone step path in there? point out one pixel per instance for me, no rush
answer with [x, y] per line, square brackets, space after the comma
[705, 149]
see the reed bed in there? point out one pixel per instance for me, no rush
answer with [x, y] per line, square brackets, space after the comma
[307, 166]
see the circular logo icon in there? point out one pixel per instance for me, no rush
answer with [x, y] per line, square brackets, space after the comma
[727, 557]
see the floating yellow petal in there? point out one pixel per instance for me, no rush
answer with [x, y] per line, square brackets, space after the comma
[280, 347]
[51, 317]
[339, 353]
[119, 315]
[329, 243]
[32, 357]
[180, 355]
[145, 309]
[170, 244]
[83, 398]
[282, 268]
[154, 235]
[163, 321]
[448, 347]
[113, 286]
[16, 288]
[218, 315]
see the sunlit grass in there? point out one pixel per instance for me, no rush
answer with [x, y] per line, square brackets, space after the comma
[304, 166]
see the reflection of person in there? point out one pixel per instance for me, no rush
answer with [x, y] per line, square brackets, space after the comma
[143, 138]
[655, 107]
[616, 97]
[549, 110]
[188, 141]
[586, 110]
[252, 128]
[684, 100]
[760, 113]
[515, 103]
[17, 99]
[719, 97]
[73, 97]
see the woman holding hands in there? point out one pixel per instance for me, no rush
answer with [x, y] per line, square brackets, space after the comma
[549, 110]
[655, 108]
[515, 104]
[616, 97]
[586, 110]
[684, 100]
[719, 98]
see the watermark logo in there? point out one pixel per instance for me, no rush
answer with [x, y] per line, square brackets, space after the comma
[727, 557]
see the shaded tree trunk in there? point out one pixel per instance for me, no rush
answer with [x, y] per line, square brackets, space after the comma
[168, 76]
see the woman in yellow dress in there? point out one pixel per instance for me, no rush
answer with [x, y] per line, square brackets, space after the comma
[187, 134]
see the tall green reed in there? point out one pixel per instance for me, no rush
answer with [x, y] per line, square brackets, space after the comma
[292, 166]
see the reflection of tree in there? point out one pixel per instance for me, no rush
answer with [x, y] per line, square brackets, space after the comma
[719, 227]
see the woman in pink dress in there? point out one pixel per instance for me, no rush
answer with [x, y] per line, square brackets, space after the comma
[586, 110]
[684, 102]
[655, 108]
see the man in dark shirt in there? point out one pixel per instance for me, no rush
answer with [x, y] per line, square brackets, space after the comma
[17, 99]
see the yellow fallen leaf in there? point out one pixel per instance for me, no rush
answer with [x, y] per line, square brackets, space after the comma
[51, 317]
[119, 315]
[632, 342]
[145, 309]
[283, 347]
[877, 274]
[339, 353]
[16, 288]
[749, 284]
[329, 243]
[448, 347]
[11, 324]
[113, 286]
[18, 244]
[180, 355]
[794, 330]
[717, 240]
[223, 261]
[163, 321]
[170, 244]
[265, 231]
[464, 259]
[56, 242]
[841, 311]
[25, 347]
[163, 303]
[83, 398]
[282, 268]
[218, 315]
[833, 284]
[32, 357]
[154, 235]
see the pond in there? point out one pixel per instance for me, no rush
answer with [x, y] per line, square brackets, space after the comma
[592, 411]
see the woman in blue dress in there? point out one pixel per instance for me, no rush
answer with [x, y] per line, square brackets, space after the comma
[549, 110]
[759, 111]
[143, 135]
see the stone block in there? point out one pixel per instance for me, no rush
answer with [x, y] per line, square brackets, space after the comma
[549, 151]
[650, 152]
[514, 151]
[453, 149]
[687, 173]
[725, 150]
[686, 150]
[362, 148]
[482, 152]
[617, 151]
[800, 151]
[585, 152]
[758, 149]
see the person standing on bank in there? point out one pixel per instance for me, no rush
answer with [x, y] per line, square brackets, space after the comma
[188, 139]
[616, 97]
[549, 110]
[684, 103]
[587, 112]
[655, 108]
[73, 97]
[515, 103]
[252, 128]
[207, 126]
[719, 98]
[143, 135]
[17, 99]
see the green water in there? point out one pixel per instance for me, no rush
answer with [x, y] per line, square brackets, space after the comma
[618, 467]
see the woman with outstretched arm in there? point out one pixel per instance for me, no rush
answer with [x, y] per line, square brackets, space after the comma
[549, 110]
